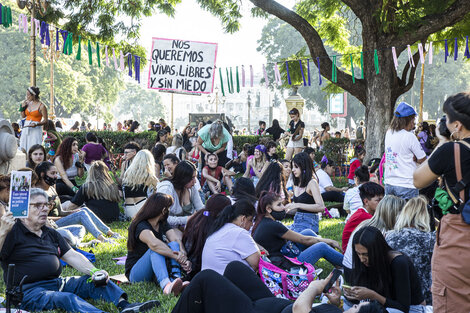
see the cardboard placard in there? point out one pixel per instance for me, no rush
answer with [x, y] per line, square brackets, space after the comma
[182, 66]
[20, 185]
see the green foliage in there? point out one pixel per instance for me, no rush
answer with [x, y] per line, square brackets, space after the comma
[78, 87]
[335, 150]
[239, 141]
[115, 141]
[280, 42]
[141, 104]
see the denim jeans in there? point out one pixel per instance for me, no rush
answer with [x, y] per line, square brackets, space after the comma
[73, 234]
[48, 295]
[319, 250]
[86, 218]
[401, 192]
[152, 263]
[304, 221]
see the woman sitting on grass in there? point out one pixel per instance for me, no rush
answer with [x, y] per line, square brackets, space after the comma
[272, 235]
[198, 227]
[47, 174]
[307, 197]
[256, 165]
[412, 235]
[147, 250]
[273, 180]
[36, 155]
[138, 182]
[382, 274]
[229, 239]
[182, 188]
[99, 193]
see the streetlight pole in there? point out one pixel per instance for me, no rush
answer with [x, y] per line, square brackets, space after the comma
[53, 56]
[33, 6]
[216, 100]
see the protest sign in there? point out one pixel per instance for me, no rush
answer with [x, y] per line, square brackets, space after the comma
[182, 66]
[19, 193]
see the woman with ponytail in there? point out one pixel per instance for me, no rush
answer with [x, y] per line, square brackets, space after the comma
[274, 236]
[229, 239]
[198, 226]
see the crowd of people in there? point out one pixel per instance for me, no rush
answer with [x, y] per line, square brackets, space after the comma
[202, 215]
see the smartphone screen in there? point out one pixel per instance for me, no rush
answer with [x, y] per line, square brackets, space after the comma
[336, 273]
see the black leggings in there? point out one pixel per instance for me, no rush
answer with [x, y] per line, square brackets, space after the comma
[239, 290]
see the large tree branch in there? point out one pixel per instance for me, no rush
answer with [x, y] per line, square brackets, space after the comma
[315, 45]
[431, 24]
[408, 72]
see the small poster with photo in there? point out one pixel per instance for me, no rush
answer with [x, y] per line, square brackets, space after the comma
[19, 193]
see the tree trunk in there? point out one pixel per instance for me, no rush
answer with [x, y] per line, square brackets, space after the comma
[380, 103]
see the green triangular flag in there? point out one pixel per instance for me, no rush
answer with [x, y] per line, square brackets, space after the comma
[9, 19]
[221, 82]
[98, 54]
[90, 56]
[70, 47]
[79, 51]
[238, 82]
[4, 16]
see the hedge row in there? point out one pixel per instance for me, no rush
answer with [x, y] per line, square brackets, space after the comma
[115, 141]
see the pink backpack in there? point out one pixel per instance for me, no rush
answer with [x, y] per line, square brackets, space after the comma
[283, 284]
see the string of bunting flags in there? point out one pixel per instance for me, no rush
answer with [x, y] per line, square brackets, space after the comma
[307, 80]
[42, 29]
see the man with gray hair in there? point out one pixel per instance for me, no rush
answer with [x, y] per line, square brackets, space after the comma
[213, 138]
[31, 245]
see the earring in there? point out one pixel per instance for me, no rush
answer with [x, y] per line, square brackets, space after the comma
[452, 135]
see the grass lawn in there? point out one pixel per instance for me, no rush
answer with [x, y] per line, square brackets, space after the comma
[139, 292]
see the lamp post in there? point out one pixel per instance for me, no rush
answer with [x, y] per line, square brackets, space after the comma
[33, 6]
[52, 55]
[216, 99]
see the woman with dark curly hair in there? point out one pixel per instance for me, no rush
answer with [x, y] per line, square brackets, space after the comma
[69, 163]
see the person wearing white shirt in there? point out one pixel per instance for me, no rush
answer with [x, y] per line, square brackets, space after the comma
[329, 192]
[403, 153]
[352, 199]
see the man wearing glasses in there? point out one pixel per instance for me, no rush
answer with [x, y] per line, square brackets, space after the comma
[35, 249]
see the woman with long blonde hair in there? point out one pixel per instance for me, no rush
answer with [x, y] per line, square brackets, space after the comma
[138, 182]
[412, 236]
[99, 193]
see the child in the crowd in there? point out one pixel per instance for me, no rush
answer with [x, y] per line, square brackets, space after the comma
[356, 162]
[352, 199]
[215, 177]
[53, 139]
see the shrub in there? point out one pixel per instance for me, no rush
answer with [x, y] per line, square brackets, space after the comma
[115, 141]
[335, 150]
[239, 141]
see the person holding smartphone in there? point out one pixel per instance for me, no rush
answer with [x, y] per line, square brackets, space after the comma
[382, 274]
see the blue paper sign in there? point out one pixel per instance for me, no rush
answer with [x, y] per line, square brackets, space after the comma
[19, 193]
